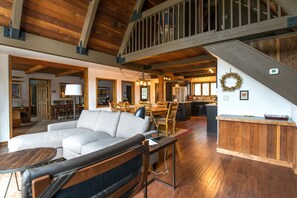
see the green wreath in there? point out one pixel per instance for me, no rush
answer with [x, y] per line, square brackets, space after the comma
[231, 75]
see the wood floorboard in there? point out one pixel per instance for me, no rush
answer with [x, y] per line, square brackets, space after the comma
[202, 172]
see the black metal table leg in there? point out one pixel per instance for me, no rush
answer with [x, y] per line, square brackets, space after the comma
[8, 185]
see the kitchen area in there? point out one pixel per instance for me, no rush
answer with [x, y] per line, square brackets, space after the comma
[196, 97]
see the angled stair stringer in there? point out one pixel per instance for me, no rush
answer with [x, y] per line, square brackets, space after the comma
[257, 64]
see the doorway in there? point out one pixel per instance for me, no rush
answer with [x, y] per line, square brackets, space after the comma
[128, 91]
[39, 99]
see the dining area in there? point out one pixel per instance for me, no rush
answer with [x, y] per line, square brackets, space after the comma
[162, 115]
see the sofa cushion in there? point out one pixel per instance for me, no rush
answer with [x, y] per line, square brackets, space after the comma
[88, 119]
[45, 139]
[129, 125]
[108, 122]
[98, 145]
[74, 143]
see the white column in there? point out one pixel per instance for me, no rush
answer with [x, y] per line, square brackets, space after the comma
[4, 97]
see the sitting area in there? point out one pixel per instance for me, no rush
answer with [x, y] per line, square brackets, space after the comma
[124, 164]
[94, 130]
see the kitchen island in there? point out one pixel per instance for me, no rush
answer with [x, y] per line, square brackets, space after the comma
[260, 139]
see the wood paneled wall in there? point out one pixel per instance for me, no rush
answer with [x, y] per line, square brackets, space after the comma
[267, 141]
[283, 49]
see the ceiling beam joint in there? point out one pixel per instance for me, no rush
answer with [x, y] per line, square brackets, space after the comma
[88, 24]
[135, 16]
[13, 31]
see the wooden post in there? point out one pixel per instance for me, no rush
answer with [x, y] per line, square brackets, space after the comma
[161, 88]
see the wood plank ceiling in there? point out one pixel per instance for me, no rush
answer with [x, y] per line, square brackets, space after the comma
[63, 20]
[38, 66]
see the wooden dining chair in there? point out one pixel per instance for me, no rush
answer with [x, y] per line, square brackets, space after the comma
[123, 106]
[113, 106]
[162, 104]
[170, 120]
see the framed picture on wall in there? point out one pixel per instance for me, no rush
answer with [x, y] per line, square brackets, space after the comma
[16, 90]
[244, 95]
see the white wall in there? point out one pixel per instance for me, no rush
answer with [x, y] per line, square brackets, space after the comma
[112, 75]
[294, 112]
[55, 85]
[96, 70]
[262, 100]
[4, 98]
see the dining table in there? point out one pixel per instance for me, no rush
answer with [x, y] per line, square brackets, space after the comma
[156, 111]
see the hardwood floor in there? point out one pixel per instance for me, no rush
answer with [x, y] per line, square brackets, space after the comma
[201, 172]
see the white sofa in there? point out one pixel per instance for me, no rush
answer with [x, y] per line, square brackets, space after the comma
[93, 131]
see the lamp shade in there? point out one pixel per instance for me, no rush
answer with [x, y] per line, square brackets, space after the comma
[140, 112]
[73, 90]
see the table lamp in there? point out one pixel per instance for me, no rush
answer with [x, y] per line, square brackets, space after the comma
[140, 112]
[73, 90]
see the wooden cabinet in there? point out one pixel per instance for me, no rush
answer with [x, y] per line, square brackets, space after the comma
[255, 138]
[184, 111]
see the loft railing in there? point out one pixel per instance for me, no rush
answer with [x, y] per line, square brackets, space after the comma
[186, 18]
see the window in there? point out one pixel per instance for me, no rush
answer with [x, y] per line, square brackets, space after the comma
[205, 89]
[197, 89]
[106, 91]
[144, 93]
[213, 89]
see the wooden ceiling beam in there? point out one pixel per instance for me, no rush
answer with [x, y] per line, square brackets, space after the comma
[137, 9]
[66, 73]
[191, 67]
[16, 14]
[197, 73]
[187, 61]
[35, 69]
[13, 31]
[88, 24]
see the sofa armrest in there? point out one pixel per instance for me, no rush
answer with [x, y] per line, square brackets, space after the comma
[62, 125]
[147, 134]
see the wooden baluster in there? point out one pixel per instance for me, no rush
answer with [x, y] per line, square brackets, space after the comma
[223, 14]
[208, 4]
[184, 19]
[178, 20]
[196, 16]
[190, 9]
[231, 13]
[239, 11]
[268, 9]
[249, 11]
[258, 11]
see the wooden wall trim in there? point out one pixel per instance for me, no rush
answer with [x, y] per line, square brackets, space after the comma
[255, 158]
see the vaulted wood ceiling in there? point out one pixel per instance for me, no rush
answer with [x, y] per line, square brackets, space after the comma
[63, 20]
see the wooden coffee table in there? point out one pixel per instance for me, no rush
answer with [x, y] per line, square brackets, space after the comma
[24, 159]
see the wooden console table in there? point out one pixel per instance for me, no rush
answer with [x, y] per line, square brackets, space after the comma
[260, 139]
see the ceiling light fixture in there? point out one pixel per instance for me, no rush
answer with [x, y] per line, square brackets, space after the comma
[142, 81]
